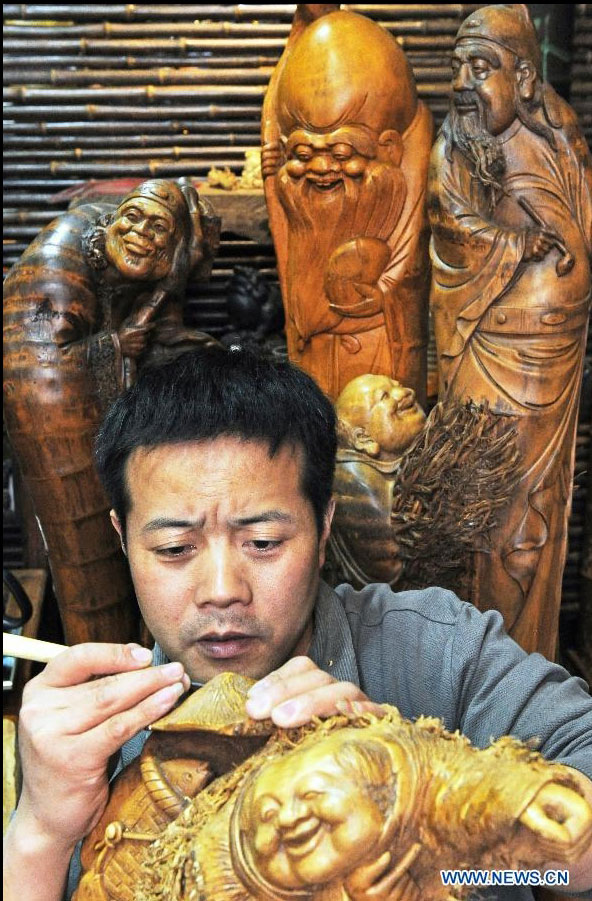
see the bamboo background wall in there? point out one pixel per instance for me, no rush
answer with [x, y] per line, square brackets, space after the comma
[106, 91]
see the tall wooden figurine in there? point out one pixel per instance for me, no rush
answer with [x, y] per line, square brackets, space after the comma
[345, 155]
[510, 205]
[98, 292]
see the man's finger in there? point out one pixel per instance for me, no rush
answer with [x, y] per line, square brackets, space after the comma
[97, 701]
[82, 662]
[108, 737]
[320, 702]
[282, 687]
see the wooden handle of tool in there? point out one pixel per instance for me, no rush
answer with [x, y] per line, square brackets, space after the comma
[29, 648]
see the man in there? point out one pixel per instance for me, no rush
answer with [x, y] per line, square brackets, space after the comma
[510, 205]
[219, 468]
[96, 294]
[345, 153]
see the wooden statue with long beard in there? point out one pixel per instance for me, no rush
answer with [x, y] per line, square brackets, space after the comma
[344, 160]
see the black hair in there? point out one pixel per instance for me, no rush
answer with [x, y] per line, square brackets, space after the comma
[212, 392]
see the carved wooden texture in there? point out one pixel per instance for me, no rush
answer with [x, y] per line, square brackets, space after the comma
[345, 151]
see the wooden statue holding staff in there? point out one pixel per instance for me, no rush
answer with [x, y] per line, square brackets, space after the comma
[510, 205]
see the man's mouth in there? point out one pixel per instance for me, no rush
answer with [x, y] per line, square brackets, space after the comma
[302, 839]
[225, 645]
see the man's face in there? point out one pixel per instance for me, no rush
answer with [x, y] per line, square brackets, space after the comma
[484, 80]
[224, 554]
[141, 240]
[309, 821]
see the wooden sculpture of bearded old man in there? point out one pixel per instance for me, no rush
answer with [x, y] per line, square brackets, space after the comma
[345, 153]
[510, 205]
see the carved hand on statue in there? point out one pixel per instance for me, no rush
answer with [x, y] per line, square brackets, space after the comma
[372, 301]
[271, 158]
[538, 243]
[560, 818]
[72, 722]
[351, 279]
[299, 691]
[384, 879]
[133, 338]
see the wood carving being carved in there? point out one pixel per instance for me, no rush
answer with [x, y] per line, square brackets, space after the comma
[510, 205]
[99, 291]
[413, 496]
[344, 162]
[350, 808]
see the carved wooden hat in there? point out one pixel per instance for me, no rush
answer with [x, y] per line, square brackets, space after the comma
[344, 69]
[509, 26]
[168, 195]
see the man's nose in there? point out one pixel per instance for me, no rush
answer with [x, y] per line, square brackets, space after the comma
[221, 578]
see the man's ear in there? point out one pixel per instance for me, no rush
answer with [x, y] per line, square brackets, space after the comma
[363, 443]
[526, 76]
[118, 528]
[327, 520]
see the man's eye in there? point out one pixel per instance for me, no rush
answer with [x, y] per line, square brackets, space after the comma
[179, 550]
[264, 544]
[311, 795]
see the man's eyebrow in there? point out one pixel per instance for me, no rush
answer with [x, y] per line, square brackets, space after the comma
[265, 516]
[163, 522]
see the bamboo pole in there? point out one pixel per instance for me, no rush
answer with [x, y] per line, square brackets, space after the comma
[130, 13]
[125, 113]
[133, 62]
[93, 128]
[148, 94]
[166, 75]
[248, 138]
[209, 154]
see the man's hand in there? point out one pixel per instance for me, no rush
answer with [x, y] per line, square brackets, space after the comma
[299, 691]
[81, 709]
